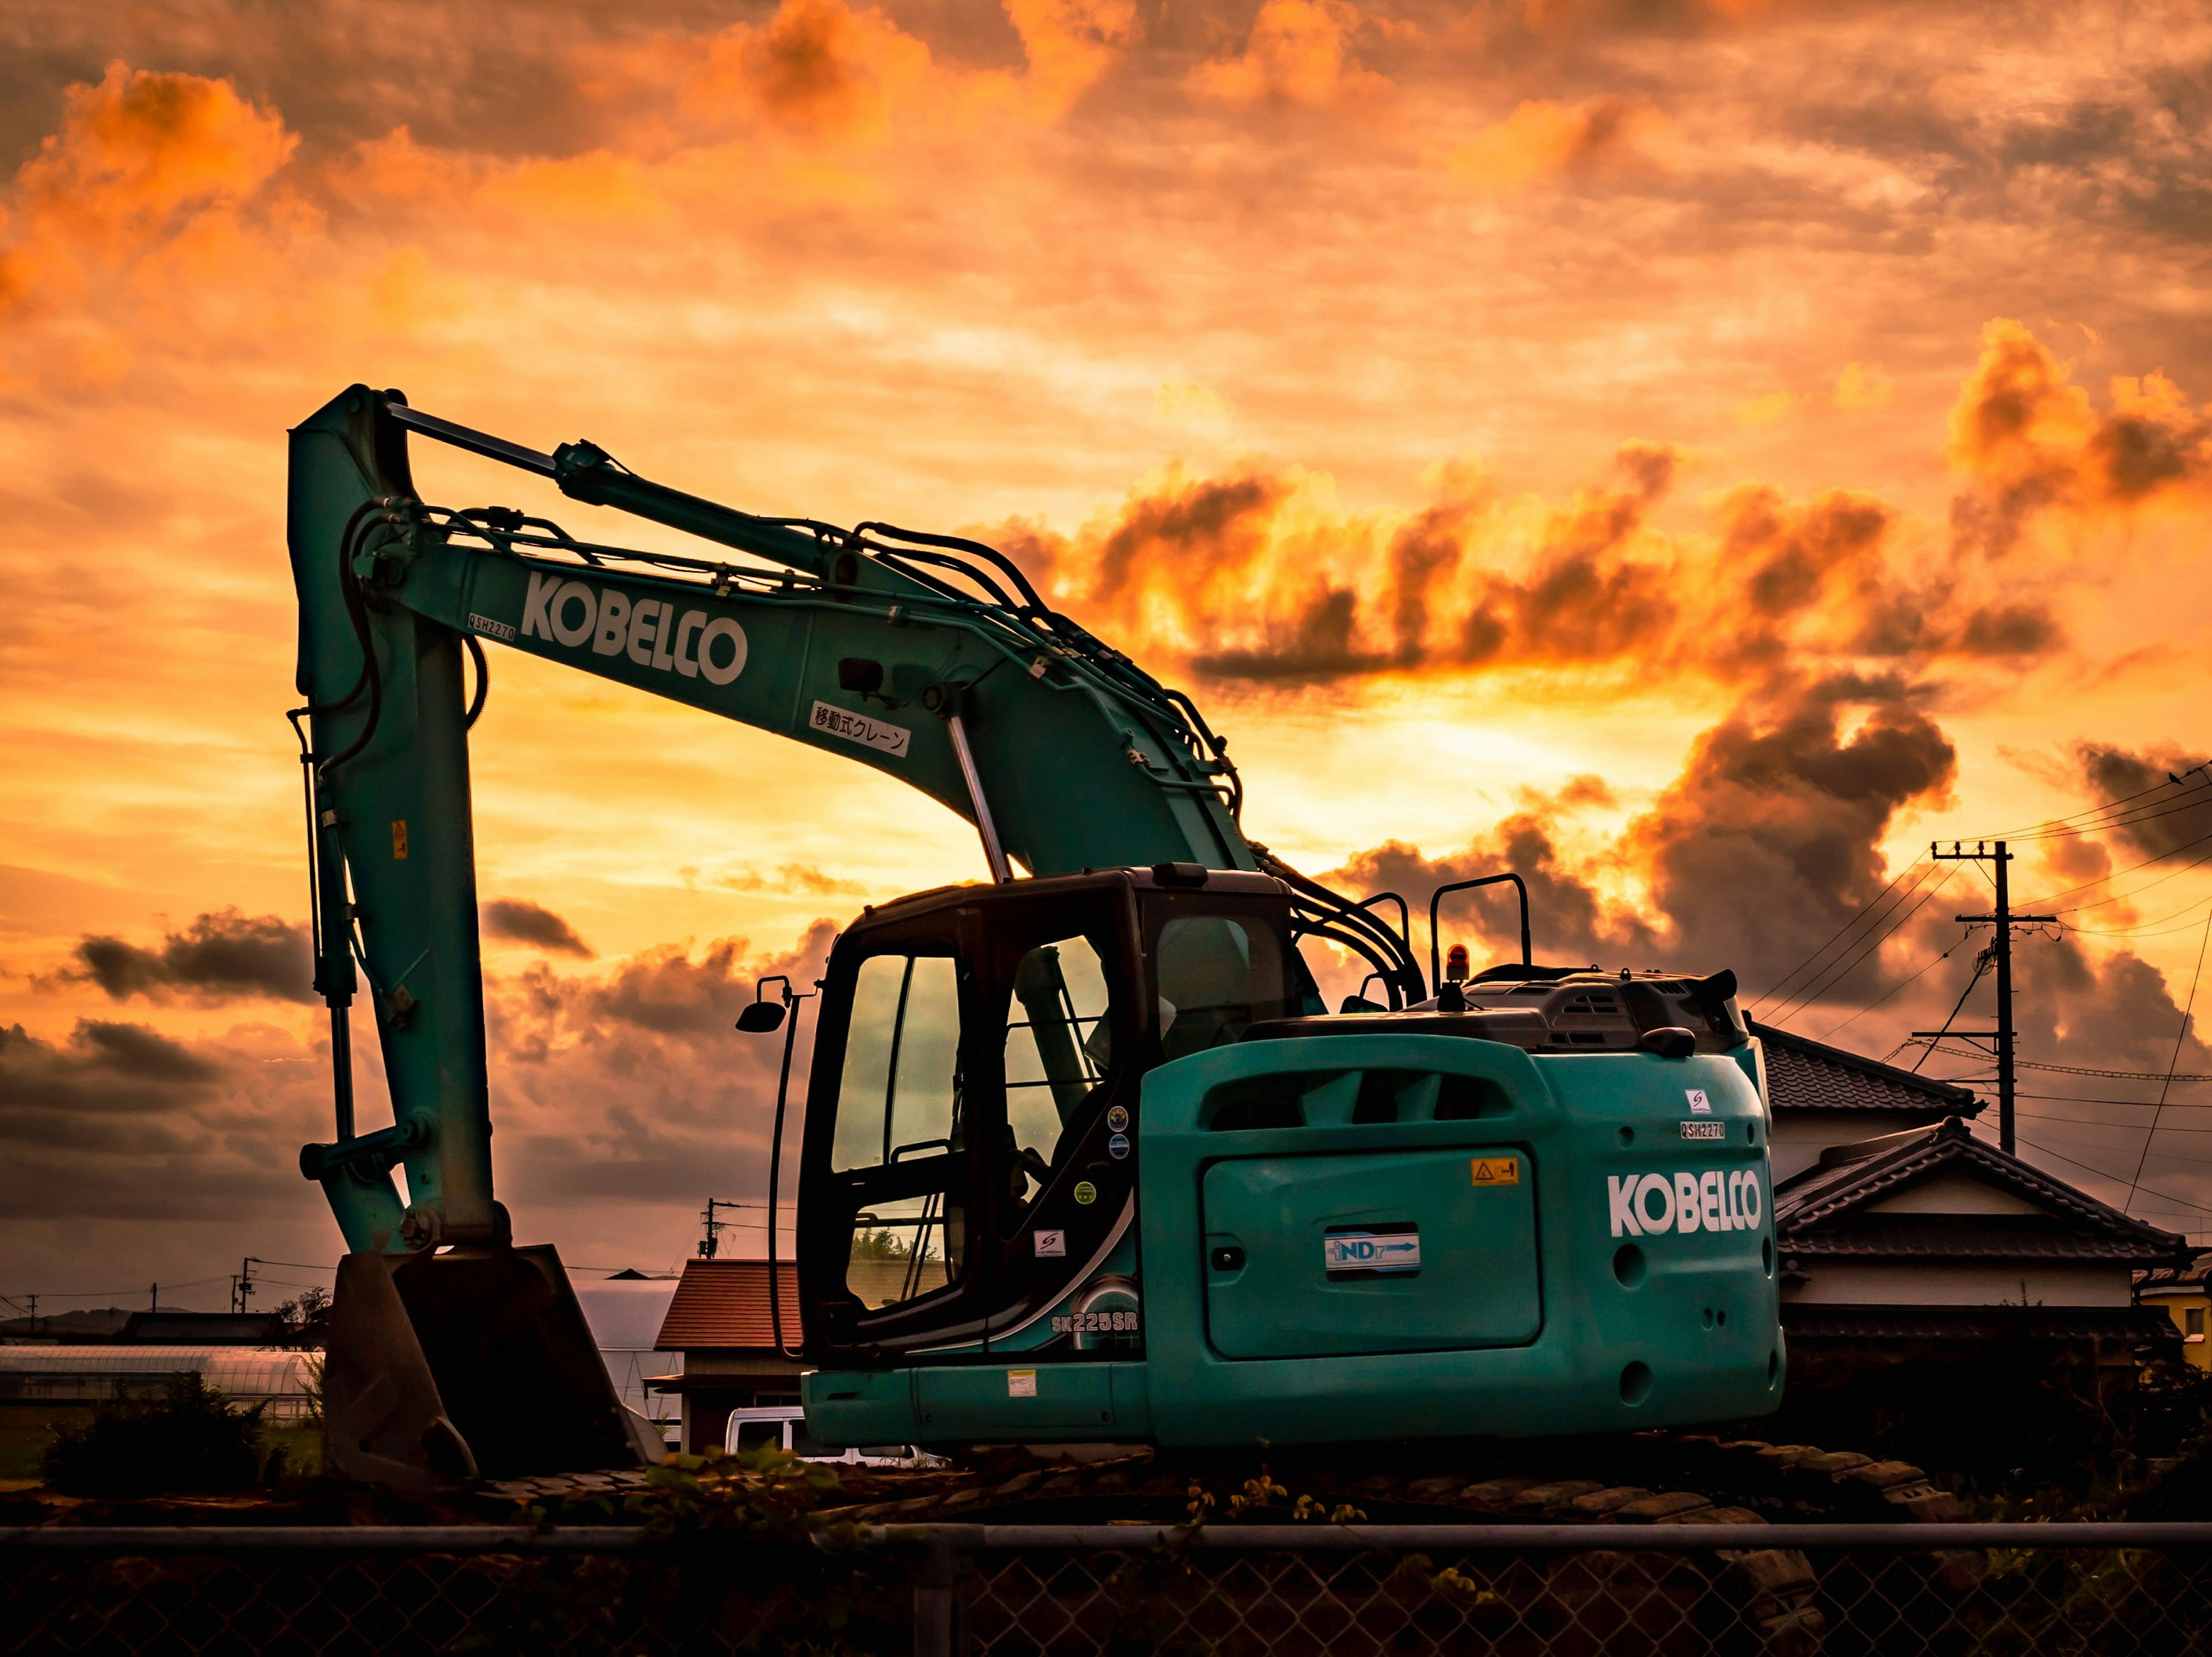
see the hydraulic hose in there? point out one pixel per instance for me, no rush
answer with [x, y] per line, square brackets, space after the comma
[357, 611]
[483, 680]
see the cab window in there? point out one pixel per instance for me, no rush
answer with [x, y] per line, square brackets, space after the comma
[1217, 978]
[899, 1110]
[1059, 1045]
[757, 1435]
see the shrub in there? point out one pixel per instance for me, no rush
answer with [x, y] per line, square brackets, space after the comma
[192, 1438]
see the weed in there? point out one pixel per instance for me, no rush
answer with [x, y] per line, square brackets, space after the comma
[192, 1438]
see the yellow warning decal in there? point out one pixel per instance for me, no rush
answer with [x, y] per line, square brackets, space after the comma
[1497, 1170]
[399, 840]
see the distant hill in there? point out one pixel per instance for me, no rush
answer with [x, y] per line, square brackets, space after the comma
[103, 1323]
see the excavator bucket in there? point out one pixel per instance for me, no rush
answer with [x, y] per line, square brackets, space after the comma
[443, 1369]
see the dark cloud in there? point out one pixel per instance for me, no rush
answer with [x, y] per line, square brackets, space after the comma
[2159, 815]
[1570, 922]
[499, 78]
[520, 921]
[1770, 840]
[636, 1086]
[1216, 523]
[665, 991]
[1320, 644]
[628, 1085]
[105, 1068]
[111, 1089]
[223, 955]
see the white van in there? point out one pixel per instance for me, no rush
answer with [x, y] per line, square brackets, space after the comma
[783, 1426]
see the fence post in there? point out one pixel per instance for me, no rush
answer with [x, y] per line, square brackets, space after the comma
[932, 1600]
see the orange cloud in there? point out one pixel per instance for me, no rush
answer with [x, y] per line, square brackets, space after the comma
[142, 158]
[1071, 44]
[1542, 139]
[1254, 575]
[1299, 52]
[2029, 440]
[817, 68]
[825, 77]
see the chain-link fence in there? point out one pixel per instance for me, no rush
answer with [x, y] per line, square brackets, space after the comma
[1011, 1591]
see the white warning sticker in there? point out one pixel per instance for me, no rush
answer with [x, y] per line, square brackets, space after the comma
[884, 739]
[1021, 1383]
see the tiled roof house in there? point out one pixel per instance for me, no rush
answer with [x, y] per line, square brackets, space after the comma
[1933, 1283]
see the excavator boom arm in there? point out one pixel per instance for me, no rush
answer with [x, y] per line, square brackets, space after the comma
[875, 647]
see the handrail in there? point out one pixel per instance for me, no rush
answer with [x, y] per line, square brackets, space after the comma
[1436, 897]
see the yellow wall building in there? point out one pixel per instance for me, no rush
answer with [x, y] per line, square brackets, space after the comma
[2183, 1297]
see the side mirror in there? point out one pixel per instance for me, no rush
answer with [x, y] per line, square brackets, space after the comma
[761, 1017]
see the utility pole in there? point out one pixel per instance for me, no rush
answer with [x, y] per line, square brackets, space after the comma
[711, 1244]
[242, 1286]
[33, 1299]
[2004, 920]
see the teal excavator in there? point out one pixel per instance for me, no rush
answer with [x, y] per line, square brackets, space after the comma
[1083, 1157]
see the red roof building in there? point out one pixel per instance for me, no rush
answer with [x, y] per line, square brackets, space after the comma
[721, 1322]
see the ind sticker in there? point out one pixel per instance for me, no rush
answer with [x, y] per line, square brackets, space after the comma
[1021, 1383]
[884, 739]
[1380, 1252]
[1497, 1170]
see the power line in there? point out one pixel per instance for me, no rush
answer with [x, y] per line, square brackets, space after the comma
[2132, 868]
[1863, 914]
[2100, 1121]
[1828, 979]
[1905, 984]
[2095, 811]
[2083, 1099]
[2077, 1069]
[2128, 819]
[2179, 1036]
[1981, 965]
[2144, 930]
[2104, 1175]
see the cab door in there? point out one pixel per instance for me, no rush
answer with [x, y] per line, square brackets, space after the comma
[960, 1166]
[890, 1181]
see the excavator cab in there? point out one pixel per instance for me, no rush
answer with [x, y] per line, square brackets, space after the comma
[1086, 1160]
[967, 1157]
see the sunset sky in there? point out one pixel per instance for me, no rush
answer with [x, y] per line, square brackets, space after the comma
[1695, 451]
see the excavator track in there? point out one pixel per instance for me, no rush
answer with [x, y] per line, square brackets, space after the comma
[1644, 1478]
[1769, 1597]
